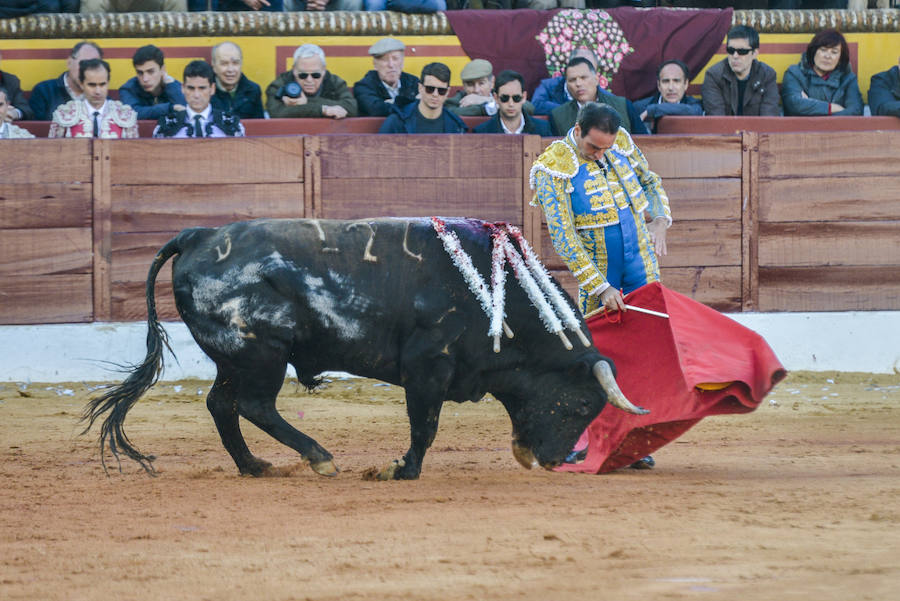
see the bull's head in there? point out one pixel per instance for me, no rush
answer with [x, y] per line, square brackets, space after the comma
[550, 414]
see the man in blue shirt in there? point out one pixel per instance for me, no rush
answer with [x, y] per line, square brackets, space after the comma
[153, 92]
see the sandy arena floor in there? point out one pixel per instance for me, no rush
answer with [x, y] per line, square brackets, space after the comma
[799, 500]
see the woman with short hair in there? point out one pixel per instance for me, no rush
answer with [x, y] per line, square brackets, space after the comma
[823, 82]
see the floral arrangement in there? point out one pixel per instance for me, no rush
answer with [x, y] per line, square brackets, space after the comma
[571, 29]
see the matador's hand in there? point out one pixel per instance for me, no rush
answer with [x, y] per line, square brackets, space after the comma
[657, 229]
[612, 299]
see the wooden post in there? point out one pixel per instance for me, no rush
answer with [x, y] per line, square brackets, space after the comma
[101, 229]
[531, 216]
[312, 177]
[749, 221]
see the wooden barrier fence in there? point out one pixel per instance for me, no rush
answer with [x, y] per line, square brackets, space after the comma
[763, 221]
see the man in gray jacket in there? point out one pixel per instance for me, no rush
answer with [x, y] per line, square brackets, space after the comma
[740, 84]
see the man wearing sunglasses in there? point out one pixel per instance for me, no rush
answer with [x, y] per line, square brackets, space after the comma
[740, 84]
[510, 96]
[309, 90]
[427, 116]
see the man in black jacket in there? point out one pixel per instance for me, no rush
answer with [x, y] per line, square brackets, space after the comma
[387, 85]
[17, 105]
[235, 93]
[510, 96]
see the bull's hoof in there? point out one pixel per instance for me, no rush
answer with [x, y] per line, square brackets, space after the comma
[524, 455]
[389, 473]
[255, 467]
[325, 468]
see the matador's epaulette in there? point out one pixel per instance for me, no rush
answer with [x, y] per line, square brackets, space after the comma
[624, 144]
[559, 160]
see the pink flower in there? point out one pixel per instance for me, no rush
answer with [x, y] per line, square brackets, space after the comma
[542, 38]
[625, 47]
[601, 36]
[567, 46]
[567, 31]
[606, 44]
[604, 83]
[548, 49]
[608, 55]
[592, 15]
[618, 57]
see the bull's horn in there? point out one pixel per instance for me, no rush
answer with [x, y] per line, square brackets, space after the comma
[604, 375]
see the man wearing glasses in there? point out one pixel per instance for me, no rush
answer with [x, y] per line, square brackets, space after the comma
[510, 96]
[308, 90]
[427, 116]
[740, 84]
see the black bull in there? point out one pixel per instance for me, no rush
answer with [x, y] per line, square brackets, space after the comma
[376, 298]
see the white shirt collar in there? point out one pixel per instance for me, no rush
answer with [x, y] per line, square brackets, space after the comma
[91, 110]
[4, 130]
[519, 130]
[204, 115]
[69, 89]
[394, 90]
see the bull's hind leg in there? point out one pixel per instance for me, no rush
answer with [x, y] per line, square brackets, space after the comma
[256, 402]
[222, 404]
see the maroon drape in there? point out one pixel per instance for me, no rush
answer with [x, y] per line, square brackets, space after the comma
[506, 38]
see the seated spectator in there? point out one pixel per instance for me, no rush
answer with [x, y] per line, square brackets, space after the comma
[823, 82]
[16, 106]
[309, 90]
[21, 8]
[672, 80]
[584, 86]
[510, 96]
[387, 85]
[48, 95]
[475, 99]
[235, 93]
[740, 84]
[309, 5]
[94, 116]
[7, 129]
[884, 93]
[152, 92]
[200, 119]
[132, 6]
[428, 115]
[406, 6]
[274, 6]
[552, 92]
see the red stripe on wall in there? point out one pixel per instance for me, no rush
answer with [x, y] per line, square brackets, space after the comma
[202, 52]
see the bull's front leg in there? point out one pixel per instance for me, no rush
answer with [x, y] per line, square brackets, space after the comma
[424, 413]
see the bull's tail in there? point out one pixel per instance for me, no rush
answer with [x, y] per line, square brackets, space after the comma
[119, 400]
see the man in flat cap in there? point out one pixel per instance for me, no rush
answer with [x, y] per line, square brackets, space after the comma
[387, 85]
[475, 98]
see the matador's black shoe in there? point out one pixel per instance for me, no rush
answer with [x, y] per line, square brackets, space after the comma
[645, 463]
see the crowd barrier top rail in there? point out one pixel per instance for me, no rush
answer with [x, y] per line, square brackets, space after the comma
[191, 24]
[667, 125]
